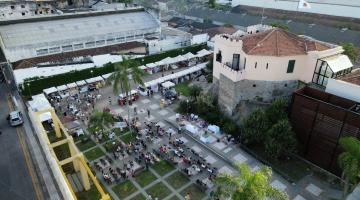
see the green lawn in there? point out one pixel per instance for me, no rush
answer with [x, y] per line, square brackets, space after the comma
[193, 191]
[139, 197]
[174, 198]
[183, 88]
[159, 191]
[52, 136]
[177, 180]
[162, 167]
[118, 131]
[91, 194]
[94, 153]
[124, 189]
[109, 145]
[85, 145]
[128, 137]
[145, 178]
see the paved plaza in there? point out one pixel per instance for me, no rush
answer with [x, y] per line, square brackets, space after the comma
[218, 154]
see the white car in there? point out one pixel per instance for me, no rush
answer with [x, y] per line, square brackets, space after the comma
[15, 118]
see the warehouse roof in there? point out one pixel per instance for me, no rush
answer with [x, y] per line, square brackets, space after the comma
[63, 30]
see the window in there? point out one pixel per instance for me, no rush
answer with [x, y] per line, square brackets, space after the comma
[100, 42]
[235, 62]
[79, 46]
[54, 50]
[67, 48]
[41, 52]
[322, 73]
[267, 65]
[244, 62]
[291, 65]
[254, 85]
[12, 7]
[23, 14]
[218, 57]
[255, 65]
[90, 44]
[22, 6]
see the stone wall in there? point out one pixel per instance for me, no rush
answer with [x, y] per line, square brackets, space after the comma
[230, 94]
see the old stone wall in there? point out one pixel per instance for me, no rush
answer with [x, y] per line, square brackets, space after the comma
[230, 94]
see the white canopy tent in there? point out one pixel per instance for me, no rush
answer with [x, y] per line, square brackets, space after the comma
[38, 103]
[106, 76]
[80, 83]
[151, 65]
[50, 90]
[71, 85]
[215, 129]
[203, 53]
[62, 88]
[189, 56]
[143, 67]
[180, 58]
[168, 84]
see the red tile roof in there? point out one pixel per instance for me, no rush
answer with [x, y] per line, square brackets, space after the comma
[220, 30]
[353, 77]
[278, 42]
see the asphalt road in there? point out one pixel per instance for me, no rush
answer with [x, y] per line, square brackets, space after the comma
[15, 180]
[320, 32]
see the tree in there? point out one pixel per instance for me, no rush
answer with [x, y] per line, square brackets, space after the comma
[280, 25]
[211, 3]
[194, 91]
[120, 78]
[255, 127]
[349, 161]
[350, 50]
[247, 185]
[99, 121]
[280, 140]
[277, 110]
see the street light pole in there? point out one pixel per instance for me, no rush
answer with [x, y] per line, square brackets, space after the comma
[28, 85]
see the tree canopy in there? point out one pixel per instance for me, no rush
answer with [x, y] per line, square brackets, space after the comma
[350, 50]
[349, 161]
[255, 126]
[247, 185]
[99, 121]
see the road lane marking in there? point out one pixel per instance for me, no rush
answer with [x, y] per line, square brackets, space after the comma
[27, 159]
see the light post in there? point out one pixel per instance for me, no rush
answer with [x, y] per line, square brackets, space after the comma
[91, 73]
[187, 104]
[28, 85]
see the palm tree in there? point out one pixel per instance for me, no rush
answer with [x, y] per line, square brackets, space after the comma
[120, 78]
[100, 120]
[247, 185]
[349, 161]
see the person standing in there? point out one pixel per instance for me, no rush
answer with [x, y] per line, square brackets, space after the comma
[148, 113]
[135, 111]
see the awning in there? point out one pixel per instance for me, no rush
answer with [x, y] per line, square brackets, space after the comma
[168, 60]
[50, 90]
[80, 83]
[106, 76]
[189, 55]
[62, 87]
[202, 53]
[71, 85]
[179, 58]
[168, 84]
[338, 63]
[151, 65]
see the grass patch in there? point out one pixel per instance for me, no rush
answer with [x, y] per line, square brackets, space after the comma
[145, 178]
[183, 89]
[83, 145]
[118, 132]
[128, 137]
[139, 197]
[91, 194]
[162, 167]
[177, 180]
[109, 145]
[159, 191]
[52, 136]
[174, 198]
[62, 152]
[194, 192]
[124, 189]
[94, 153]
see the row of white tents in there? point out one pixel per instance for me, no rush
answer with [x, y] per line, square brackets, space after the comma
[180, 58]
[165, 61]
[176, 75]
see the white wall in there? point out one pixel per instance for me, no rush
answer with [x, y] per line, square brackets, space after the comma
[346, 8]
[343, 89]
[199, 39]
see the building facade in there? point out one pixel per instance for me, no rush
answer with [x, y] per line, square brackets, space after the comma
[261, 66]
[319, 119]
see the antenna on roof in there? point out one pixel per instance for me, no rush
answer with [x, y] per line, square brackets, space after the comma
[262, 15]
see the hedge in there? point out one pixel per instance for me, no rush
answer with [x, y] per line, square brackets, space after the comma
[38, 84]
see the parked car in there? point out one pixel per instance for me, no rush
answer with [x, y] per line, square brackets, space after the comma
[15, 118]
